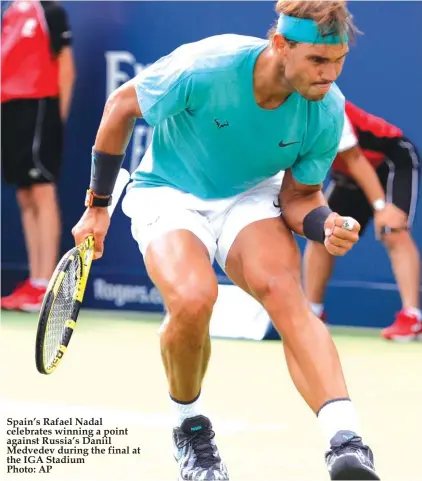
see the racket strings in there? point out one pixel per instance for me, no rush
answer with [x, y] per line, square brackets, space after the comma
[62, 309]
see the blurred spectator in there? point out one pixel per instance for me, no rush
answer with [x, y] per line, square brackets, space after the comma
[375, 174]
[37, 81]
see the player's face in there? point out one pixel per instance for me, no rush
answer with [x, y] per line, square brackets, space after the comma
[311, 69]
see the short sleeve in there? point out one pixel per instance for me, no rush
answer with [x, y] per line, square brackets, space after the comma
[58, 26]
[312, 168]
[348, 137]
[164, 89]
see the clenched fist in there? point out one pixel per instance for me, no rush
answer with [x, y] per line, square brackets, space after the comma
[95, 221]
[341, 234]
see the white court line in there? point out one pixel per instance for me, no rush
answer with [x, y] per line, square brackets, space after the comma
[122, 418]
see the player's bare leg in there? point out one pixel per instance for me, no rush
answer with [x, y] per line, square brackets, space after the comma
[271, 271]
[318, 267]
[265, 261]
[179, 265]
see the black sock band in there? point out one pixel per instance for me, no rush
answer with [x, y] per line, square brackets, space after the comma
[332, 401]
[185, 402]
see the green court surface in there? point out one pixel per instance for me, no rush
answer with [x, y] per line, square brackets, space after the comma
[264, 429]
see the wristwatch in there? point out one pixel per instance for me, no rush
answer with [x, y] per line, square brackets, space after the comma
[379, 204]
[93, 200]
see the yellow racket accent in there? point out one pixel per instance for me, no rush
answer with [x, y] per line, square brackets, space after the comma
[88, 251]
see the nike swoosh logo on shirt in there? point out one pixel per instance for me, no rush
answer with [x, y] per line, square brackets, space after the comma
[282, 144]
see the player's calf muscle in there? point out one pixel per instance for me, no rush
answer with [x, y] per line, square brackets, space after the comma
[185, 346]
[276, 286]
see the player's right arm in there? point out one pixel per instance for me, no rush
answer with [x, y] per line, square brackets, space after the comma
[119, 117]
[162, 90]
[303, 206]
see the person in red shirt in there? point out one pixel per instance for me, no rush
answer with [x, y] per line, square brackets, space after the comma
[375, 174]
[37, 76]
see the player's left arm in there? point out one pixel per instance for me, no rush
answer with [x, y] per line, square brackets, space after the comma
[305, 211]
[297, 200]
[61, 46]
[303, 205]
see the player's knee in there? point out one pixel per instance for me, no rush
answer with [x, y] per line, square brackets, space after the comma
[283, 299]
[278, 288]
[191, 304]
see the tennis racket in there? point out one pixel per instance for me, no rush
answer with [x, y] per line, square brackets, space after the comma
[64, 295]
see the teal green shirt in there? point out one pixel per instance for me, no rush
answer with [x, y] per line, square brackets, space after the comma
[210, 137]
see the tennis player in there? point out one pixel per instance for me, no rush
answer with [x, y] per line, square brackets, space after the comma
[375, 174]
[229, 113]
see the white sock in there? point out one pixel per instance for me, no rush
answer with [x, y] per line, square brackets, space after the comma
[317, 309]
[338, 415]
[414, 312]
[40, 283]
[183, 411]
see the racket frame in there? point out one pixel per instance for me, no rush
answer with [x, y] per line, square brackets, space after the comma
[85, 252]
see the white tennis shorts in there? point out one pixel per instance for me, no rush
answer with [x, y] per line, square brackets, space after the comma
[155, 211]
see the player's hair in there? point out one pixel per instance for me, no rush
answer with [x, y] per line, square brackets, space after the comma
[333, 17]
